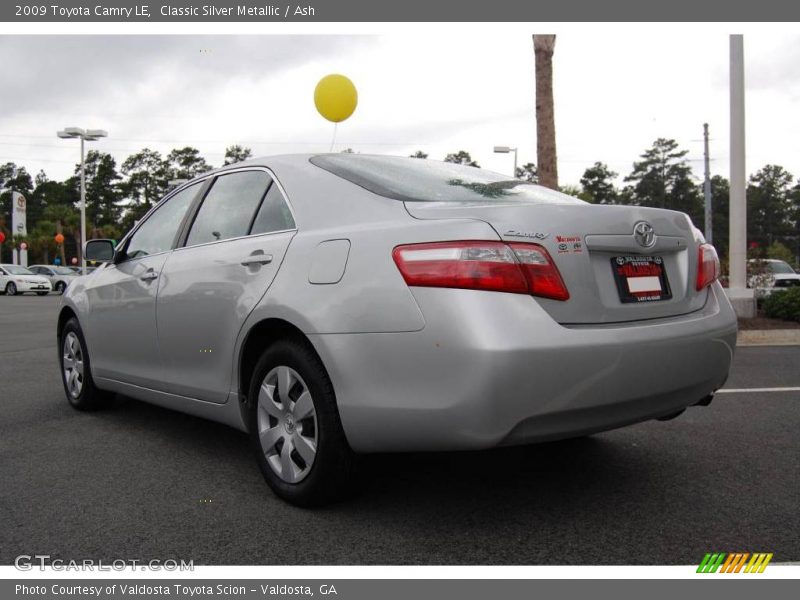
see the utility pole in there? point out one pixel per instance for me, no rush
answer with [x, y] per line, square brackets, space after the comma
[741, 297]
[707, 187]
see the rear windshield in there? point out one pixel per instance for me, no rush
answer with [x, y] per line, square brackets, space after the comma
[422, 180]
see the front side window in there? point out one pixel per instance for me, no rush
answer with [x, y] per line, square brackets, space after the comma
[157, 233]
[229, 206]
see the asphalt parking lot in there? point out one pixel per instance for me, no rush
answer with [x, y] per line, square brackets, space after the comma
[141, 482]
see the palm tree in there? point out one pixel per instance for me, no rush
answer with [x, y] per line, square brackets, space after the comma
[543, 46]
[67, 223]
[41, 240]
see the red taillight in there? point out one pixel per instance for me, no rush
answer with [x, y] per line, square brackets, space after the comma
[490, 266]
[707, 266]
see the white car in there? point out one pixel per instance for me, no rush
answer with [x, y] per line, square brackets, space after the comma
[16, 279]
[766, 275]
[59, 277]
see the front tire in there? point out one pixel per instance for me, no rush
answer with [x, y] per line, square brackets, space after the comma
[295, 430]
[76, 373]
[11, 289]
[60, 287]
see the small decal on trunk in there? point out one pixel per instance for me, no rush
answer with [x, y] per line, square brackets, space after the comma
[569, 244]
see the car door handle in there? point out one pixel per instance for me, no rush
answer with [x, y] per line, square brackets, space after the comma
[149, 276]
[257, 259]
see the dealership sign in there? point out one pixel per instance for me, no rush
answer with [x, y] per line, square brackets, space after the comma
[18, 212]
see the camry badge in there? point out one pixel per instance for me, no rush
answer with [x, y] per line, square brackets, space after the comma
[526, 234]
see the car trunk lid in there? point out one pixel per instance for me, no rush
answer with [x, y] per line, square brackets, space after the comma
[586, 242]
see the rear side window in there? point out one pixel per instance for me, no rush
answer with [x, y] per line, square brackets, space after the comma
[422, 180]
[229, 206]
[274, 214]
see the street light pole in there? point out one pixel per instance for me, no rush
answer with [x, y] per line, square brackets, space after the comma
[85, 135]
[506, 150]
[83, 209]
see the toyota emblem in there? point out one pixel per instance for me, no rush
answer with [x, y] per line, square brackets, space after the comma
[644, 234]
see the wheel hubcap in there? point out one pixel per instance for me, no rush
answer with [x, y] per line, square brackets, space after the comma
[72, 363]
[287, 424]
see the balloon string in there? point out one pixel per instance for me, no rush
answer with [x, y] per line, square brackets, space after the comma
[333, 141]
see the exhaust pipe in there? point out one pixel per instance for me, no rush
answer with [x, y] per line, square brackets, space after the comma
[702, 402]
[671, 416]
[705, 401]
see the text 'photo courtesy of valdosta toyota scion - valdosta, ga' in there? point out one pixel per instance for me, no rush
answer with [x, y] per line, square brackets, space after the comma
[145, 11]
[333, 305]
[181, 590]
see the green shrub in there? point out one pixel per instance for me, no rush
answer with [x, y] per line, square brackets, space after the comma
[783, 304]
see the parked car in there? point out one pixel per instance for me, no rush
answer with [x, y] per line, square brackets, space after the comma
[59, 277]
[16, 279]
[769, 274]
[333, 305]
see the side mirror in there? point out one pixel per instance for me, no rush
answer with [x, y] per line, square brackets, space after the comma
[99, 250]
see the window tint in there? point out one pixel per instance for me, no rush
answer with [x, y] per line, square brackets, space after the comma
[229, 207]
[17, 270]
[422, 180]
[158, 232]
[780, 267]
[274, 214]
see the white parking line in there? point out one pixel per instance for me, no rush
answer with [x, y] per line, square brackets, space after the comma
[757, 390]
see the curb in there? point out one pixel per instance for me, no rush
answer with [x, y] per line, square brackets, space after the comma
[768, 337]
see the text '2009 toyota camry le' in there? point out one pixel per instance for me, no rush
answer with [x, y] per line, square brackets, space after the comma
[332, 305]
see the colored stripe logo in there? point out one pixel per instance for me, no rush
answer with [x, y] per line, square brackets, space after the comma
[734, 562]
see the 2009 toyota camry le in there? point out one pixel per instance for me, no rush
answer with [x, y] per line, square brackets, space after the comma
[338, 304]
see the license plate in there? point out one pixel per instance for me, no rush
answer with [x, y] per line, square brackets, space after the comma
[640, 278]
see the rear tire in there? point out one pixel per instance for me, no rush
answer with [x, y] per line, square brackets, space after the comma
[295, 430]
[76, 372]
[11, 289]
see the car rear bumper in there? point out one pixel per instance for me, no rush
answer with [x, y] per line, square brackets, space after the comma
[493, 369]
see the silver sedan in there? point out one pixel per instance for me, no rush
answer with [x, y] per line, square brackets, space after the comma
[59, 277]
[335, 305]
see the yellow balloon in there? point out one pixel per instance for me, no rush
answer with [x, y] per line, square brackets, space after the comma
[335, 97]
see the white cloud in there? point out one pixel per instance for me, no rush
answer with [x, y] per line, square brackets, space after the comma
[467, 89]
